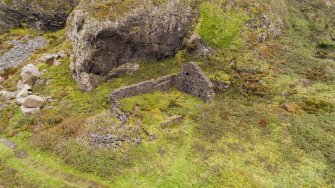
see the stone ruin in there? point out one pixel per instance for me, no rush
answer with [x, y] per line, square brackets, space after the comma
[191, 80]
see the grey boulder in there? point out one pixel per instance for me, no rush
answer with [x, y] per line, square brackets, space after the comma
[33, 101]
[30, 74]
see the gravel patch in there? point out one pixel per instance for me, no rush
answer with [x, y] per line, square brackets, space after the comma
[20, 52]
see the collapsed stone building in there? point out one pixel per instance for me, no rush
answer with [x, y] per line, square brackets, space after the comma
[190, 80]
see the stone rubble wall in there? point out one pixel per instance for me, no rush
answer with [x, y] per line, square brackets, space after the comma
[193, 80]
[162, 84]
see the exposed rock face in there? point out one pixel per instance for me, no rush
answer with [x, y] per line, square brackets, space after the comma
[43, 15]
[147, 32]
[9, 18]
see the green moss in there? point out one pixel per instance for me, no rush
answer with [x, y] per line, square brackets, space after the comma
[220, 28]
[221, 76]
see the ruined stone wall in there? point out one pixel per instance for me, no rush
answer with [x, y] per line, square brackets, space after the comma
[193, 80]
[162, 84]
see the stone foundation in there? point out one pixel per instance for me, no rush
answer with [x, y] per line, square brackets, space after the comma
[191, 80]
[162, 84]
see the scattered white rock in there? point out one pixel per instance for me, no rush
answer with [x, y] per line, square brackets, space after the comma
[28, 111]
[33, 101]
[62, 54]
[20, 86]
[20, 101]
[7, 96]
[30, 74]
[1, 80]
[52, 58]
[47, 58]
[23, 93]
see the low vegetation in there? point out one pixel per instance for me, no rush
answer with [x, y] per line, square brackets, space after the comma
[274, 127]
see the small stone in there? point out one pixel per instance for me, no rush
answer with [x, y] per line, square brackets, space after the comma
[7, 96]
[47, 58]
[173, 120]
[20, 101]
[20, 86]
[22, 93]
[62, 54]
[29, 111]
[8, 143]
[30, 74]
[33, 101]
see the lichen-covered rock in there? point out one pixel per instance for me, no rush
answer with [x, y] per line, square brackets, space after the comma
[43, 15]
[104, 37]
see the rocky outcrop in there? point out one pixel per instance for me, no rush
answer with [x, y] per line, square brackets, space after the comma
[101, 42]
[42, 15]
[9, 18]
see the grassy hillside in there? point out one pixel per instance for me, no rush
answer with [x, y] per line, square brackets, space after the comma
[274, 127]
